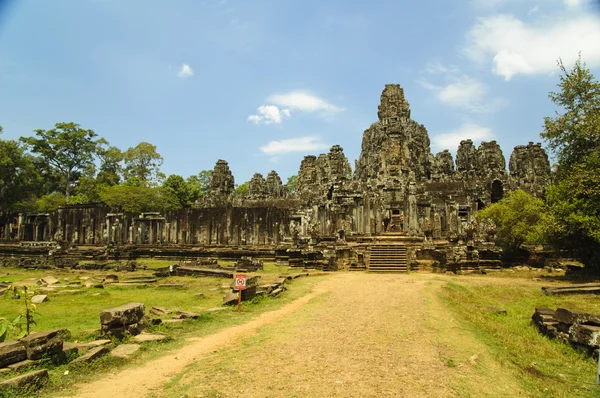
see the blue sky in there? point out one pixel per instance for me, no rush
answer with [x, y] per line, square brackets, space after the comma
[262, 83]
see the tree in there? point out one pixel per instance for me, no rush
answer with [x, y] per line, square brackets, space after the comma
[67, 148]
[519, 218]
[242, 190]
[574, 132]
[139, 199]
[292, 183]
[186, 193]
[201, 181]
[142, 165]
[574, 136]
[19, 177]
[111, 168]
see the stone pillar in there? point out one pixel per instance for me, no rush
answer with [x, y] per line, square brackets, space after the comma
[413, 224]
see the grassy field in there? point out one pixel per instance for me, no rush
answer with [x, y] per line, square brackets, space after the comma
[542, 366]
[79, 311]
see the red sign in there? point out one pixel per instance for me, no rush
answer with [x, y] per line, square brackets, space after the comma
[240, 282]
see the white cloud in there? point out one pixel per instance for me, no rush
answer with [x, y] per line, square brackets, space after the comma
[269, 114]
[185, 71]
[462, 92]
[452, 139]
[575, 3]
[515, 47]
[303, 101]
[437, 67]
[302, 144]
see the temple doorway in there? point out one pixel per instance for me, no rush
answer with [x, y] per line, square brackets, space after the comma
[497, 191]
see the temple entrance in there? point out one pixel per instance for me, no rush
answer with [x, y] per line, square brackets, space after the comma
[397, 221]
[497, 191]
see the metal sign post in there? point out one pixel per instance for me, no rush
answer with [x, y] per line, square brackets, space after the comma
[240, 284]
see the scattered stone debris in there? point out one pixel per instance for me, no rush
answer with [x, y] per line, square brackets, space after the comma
[590, 288]
[12, 352]
[125, 350]
[91, 355]
[31, 381]
[123, 320]
[43, 344]
[198, 272]
[39, 299]
[580, 329]
[149, 337]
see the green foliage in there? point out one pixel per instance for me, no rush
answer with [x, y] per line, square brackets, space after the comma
[186, 193]
[48, 202]
[201, 181]
[140, 199]
[142, 165]
[574, 133]
[67, 148]
[21, 325]
[20, 179]
[242, 189]
[292, 183]
[574, 136]
[519, 218]
[111, 168]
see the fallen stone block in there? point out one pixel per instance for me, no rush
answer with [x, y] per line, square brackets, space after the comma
[199, 295]
[230, 299]
[4, 371]
[70, 348]
[19, 366]
[12, 352]
[49, 280]
[276, 292]
[91, 355]
[585, 334]
[126, 314]
[568, 316]
[185, 315]
[30, 381]
[39, 299]
[497, 310]
[171, 286]
[159, 311]
[125, 350]
[43, 344]
[95, 343]
[149, 337]
[167, 321]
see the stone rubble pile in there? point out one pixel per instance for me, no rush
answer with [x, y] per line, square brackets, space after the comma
[580, 329]
[125, 320]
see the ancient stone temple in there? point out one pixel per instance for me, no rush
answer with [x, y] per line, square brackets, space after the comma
[399, 192]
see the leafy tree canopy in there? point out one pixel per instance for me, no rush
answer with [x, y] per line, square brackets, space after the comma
[67, 148]
[140, 199]
[142, 165]
[519, 218]
[574, 136]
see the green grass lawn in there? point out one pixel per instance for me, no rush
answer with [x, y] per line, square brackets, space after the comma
[80, 312]
[545, 367]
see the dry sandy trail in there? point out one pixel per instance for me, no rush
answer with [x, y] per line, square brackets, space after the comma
[354, 335]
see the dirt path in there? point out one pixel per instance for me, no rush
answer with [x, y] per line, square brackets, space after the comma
[355, 335]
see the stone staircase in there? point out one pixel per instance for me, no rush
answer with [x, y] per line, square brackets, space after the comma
[387, 258]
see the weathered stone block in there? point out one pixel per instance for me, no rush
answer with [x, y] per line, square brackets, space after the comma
[126, 314]
[30, 381]
[48, 343]
[12, 352]
[38, 299]
[569, 317]
[125, 350]
[92, 355]
[585, 334]
[19, 366]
